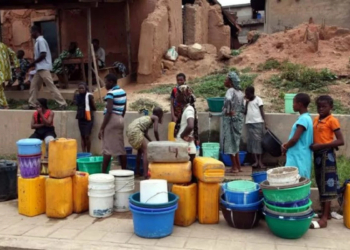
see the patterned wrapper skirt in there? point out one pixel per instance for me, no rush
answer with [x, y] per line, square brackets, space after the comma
[326, 174]
[232, 133]
[254, 137]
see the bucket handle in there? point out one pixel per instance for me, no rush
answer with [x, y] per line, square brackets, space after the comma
[155, 195]
[124, 186]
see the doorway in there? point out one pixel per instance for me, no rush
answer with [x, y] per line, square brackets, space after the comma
[49, 31]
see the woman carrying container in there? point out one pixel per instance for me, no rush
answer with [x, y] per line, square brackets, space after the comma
[233, 120]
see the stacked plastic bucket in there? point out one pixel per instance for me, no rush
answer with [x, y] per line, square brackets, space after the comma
[124, 187]
[287, 210]
[29, 157]
[241, 204]
[153, 209]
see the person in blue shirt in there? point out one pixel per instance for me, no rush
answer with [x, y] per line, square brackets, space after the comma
[297, 149]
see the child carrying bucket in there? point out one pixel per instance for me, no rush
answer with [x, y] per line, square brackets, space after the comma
[138, 137]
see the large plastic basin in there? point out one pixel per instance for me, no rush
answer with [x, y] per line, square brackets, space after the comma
[226, 158]
[289, 209]
[135, 200]
[241, 219]
[241, 207]
[92, 165]
[241, 197]
[215, 104]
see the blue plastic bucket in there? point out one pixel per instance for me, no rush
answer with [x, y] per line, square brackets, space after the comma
[242, 207]
[226, 158]
[135, 200]
[240, 197]
[83, 155]
[128, 150]
[29, 147]
[131, 163]
[153, 210]
[259, 177]
[152, 225]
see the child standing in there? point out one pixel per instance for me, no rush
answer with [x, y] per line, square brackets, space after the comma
[326, 127]
[176, 107]
[297, 148]
[255, 121]
[137, 134]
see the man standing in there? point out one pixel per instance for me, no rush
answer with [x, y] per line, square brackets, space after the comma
[43, 66]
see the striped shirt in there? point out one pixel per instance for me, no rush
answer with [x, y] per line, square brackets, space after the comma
[119, 100]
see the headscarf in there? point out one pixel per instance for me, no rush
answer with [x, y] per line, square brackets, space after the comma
[187, 92]
[233, 77]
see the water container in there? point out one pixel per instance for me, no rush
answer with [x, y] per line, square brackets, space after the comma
[128, 150]
[131, 163]
[30, 165]
[288, 103]
[62, 157]
[101, 193]
[59, 197]
[80, 192]
[31, 196]
[124, 187]
[241, 196]
[346, 207]
[83, 155]
[29, 146]
[208, 169]
[154, 191]
[211, 149]
[186, 213]
[208, 203]
[259, 177]
[171, 129]
[176, 173]
[92, 164]
[167, 151]
[8, 180]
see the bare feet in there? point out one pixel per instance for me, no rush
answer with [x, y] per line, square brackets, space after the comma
[232, 170]
[318, 224]
[255, 165]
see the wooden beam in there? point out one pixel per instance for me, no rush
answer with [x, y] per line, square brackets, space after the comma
[89, 38]
[58, 25]
[128, 35]
[99, 84]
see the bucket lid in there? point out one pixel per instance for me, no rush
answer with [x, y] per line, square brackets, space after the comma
[101, 178]
[28, 142]
[121, 173]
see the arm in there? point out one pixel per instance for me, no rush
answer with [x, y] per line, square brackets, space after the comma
[107, 117]
[300, 130]
[125, 108]
[334, 144]
[173, 117]
[92, 103]
[155, 127]
[48, 121]
[42, 50]
[35, 126]
[246, 107]
[188, 129]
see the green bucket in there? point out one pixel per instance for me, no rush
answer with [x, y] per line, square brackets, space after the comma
[288, 194]
[288, 103]
[289, 210]
[92, 165]
[215, 104]
[211, 149]
[241, 186]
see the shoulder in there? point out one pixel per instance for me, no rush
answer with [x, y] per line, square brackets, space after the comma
[334, 122]
[119, 92]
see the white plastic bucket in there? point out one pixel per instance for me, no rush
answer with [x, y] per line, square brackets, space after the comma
[101, 192]
[154, 191]
[283, 176]
[124, 187]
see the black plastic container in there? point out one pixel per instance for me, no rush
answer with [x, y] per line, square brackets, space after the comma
[8, 180]
[241, 219]
[271, 144]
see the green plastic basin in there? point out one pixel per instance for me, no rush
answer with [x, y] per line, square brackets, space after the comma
[288, 228]
[215, 104]
[92, 165]
[289, 209]
[287, 194]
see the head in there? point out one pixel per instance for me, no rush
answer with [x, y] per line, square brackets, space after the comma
[324, 105]
[180, 79]
[20, 54]
[42, 103]
[35, 32]
[73, 47]
[232, 81]
[184, 94]
[111, 81]
[250, 92]
[157, 111]
[300, 102]
[82, 88]
[96, 44]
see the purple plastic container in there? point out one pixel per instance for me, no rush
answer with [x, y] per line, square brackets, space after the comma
[29, 165]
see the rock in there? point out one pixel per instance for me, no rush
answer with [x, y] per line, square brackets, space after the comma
[224, 53]
[183, 59]
[210, 49]
[183, 50]
[168, 64]
[196, 52]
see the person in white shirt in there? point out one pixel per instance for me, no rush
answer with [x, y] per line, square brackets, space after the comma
[255, 122]
[43, 67]
[99, 53]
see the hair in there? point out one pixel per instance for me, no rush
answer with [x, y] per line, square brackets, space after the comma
[303, 99]
[325, 98]
[35, 28]
[43, 103]
[250, 90]
[85, 86]
[157, 111]
[112, 78]
[20, 53]
[181, 75]
[96, 41]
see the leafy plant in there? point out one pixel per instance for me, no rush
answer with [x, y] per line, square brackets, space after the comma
[236, 52]
[269, 65]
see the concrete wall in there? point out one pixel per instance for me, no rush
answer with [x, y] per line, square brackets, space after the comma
[15, 125]
[290, 13]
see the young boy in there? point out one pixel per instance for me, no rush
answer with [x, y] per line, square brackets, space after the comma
[137, 134]
[176, 108]
[326, 127]
[23, 68]
[255, 121]
[297, 148]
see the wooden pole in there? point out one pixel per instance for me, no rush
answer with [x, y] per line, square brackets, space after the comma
[89, 47]
[96, 71]
[128, 36]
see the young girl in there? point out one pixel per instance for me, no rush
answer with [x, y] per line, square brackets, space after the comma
[297, 148]
[326, 127]
[176, 108]
[42, 123]
[255, 120]
[137, 134]
[86, 105]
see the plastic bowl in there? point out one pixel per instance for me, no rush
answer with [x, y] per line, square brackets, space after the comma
[92, 165]
[241, 186]
[240, 197]
[215, 104]
[299, 203]
[135, 200]
[259, 177]
[288, 228]
[152, 210]
[241, 207]
[83, 155]
[288, 215]
[241, 219]
[226, 158]
[289, 209]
